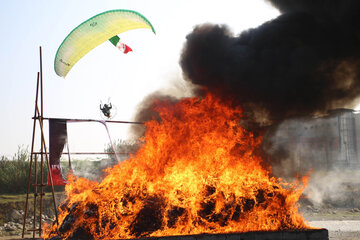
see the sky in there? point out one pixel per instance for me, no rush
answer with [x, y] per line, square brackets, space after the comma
[104, 74]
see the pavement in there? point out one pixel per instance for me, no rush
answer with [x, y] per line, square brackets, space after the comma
[340, 229]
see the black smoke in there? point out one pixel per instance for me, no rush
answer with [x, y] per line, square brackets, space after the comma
[304, 62]
[146, 111]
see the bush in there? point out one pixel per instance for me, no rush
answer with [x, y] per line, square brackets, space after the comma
[14, 172]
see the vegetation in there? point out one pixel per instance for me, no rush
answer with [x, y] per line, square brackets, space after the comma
[14, 170]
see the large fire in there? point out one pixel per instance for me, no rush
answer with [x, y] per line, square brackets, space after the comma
[198, 171]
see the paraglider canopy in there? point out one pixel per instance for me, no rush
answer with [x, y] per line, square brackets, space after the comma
[94, 31]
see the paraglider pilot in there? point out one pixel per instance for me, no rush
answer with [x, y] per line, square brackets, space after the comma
[106, 109]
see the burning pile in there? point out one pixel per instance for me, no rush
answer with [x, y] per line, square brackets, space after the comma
[198, 171]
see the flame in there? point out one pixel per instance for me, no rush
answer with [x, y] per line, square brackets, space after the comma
[198, 171]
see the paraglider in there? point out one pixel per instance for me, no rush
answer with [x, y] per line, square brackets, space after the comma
[94, 31]
[106, 109]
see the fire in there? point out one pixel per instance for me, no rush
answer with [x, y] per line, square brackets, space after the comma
[198, 171]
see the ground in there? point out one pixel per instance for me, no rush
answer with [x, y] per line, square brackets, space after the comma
[340, 229]
[342, 223]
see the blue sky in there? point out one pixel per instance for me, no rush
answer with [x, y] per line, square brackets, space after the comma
[105, 72]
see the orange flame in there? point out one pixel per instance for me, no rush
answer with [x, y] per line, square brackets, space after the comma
[198, 171]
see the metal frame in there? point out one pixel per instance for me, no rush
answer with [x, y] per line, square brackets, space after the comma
[44, 154]
[38, 117]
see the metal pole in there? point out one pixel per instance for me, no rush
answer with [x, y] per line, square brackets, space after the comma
[68, 153]
[31, 157]
[112, 145]
[49, 170]
[42, 137]
[41, 80]
[41, 193]
[92, 120]
[35, 195]
[92, 153]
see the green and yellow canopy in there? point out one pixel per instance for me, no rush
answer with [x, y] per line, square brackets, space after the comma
[94, 31]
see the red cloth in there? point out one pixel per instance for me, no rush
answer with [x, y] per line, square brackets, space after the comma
[57, 140]
[57, 178]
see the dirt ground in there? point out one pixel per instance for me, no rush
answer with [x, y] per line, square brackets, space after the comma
[342, 223]
[340, 229]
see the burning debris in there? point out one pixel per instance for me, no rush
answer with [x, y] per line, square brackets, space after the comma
[198, 171]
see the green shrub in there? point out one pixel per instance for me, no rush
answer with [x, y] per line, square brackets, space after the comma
[14, 172]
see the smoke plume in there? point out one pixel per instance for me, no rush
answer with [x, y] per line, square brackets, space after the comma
[302, 63]
[145, 110]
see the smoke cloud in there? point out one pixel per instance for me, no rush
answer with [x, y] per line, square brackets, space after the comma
[145, 110]
[338, 188]
[302, 63]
